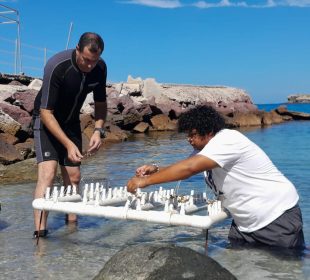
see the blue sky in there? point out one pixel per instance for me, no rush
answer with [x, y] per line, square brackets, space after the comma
[261, 46]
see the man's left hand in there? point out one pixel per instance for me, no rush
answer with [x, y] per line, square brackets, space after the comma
[94, 143]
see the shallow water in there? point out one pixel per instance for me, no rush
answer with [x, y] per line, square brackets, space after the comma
[79, 252]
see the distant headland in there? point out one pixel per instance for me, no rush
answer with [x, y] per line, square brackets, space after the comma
[299, 98]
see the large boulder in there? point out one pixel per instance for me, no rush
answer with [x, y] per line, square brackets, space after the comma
[8, 124]
[36, 84]
[269, 118]
[25, 99]
[8, 153]
[282, 110]
[244, 120]
[162, 122]
[13, 111]
[162, 262]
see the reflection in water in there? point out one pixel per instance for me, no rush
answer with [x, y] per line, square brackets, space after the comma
[80, 250]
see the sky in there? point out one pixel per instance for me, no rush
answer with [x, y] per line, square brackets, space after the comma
[262, 47]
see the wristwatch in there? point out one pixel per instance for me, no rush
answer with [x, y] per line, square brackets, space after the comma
[101, 131]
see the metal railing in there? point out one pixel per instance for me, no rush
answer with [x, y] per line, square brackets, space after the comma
[34, 58]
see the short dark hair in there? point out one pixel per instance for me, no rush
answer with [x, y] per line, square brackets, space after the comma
[204, 119]
[93, 40]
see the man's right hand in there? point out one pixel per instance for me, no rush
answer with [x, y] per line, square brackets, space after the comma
[74, 153]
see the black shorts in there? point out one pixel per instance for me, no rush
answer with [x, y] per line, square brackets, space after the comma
[49, 148]
[285, 231]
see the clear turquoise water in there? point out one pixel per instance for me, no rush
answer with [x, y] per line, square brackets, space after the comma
[79, 252]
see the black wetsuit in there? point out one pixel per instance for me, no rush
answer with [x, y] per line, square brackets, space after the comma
[64, 91]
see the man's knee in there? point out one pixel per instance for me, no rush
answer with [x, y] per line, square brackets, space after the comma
[47, 172]
[75, 178]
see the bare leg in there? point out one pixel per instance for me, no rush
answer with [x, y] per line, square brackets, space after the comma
[71, 176]
[46, 174]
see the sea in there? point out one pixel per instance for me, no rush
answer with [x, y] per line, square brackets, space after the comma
[80, 251]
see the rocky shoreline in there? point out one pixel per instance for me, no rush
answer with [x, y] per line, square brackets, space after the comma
[135, 106]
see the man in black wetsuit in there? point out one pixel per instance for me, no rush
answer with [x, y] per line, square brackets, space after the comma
[68, 77]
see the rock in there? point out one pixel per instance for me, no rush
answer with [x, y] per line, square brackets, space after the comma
[114, 134]
[26, 149]
[162, 262]
[26, 99]
[86, 120]
[244, 120]
[151, 88]
[162, 122]
[6, 91]
[36, 84]
[8, 138]
[131, 89]
[282, 110]
[8, 124]
[141, 127]
[4, 95]
[13, 111]
[8, 154]
[15, 83]
[269, 118]
[27, 172]
[88, 106]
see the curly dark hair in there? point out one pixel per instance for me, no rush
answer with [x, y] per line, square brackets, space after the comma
[204, 119]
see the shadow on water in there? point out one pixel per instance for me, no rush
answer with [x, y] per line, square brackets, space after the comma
[3, 225]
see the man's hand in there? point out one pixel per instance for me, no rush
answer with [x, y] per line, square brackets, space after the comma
[74, 153]
[94, 142]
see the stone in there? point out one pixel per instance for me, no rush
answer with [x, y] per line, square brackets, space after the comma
[160, 122]
[35, 84]
[269, 118]
[8, 138]
[13, 111]
[86, 120]
[8, 124]
[141, 127]
[4, 95]
[114, 133]
[8, 154]
[26, 149]
[88, 106]
[244, 120]
[162, 262]
[26, 99]
[294, 115]
[27, 172]
[15, 83]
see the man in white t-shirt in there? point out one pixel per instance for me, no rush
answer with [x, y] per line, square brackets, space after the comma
[261, 200]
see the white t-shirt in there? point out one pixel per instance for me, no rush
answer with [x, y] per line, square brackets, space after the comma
[255, 191]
